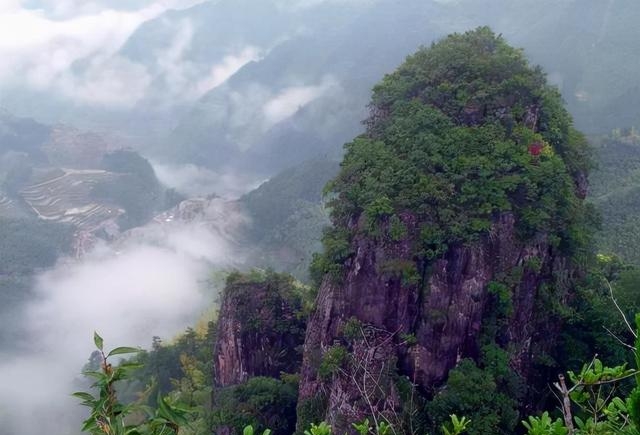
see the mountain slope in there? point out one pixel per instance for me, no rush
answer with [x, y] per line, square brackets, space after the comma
[615, 192]
[305, 97]
[458, 229]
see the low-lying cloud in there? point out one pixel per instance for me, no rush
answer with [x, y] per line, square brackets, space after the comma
[229, 65]
[291, 99]
[186, 80]
[40, 53]
[153, 282]
[302, 4]
[71, 49]
[251, 110]
[197, 181]
[64, 9]
[112, 82]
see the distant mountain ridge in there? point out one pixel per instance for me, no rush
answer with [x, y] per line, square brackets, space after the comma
[264, 85]
[337, 65]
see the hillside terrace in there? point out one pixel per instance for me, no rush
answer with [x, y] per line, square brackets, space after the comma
[66, 198]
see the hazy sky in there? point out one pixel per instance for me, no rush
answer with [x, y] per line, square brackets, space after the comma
[40, 41]
[70, 49]
[64, 9]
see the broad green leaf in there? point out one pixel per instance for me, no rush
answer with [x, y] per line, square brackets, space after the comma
[597, 365]
[130, 365]
[95, 375]
[89, 425]
[98, 341]
[84, 396]
[172, 414]
[123, 350]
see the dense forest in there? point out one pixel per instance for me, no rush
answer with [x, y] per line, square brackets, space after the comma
[614, 192]
[460, 275]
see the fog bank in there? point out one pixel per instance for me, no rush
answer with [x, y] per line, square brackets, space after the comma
[153, 283]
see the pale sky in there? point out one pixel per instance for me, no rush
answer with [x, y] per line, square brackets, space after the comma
[40, 41]
[71, 49]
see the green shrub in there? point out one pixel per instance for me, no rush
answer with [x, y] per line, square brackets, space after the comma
[477, 394]
[333, 360]
[312, 409]
[264, 403]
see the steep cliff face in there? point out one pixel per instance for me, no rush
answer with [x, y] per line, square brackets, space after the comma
[457, 221]
[443, 314]
[260, 328]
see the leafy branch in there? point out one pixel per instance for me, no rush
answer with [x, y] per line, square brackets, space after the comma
[109, 416]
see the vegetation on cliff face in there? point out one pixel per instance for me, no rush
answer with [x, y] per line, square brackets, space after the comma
[259, 311]
[239, 369]
[463, 131]
[258, 351]
[468, 186]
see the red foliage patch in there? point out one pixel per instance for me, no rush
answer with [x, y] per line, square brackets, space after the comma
[535, 148]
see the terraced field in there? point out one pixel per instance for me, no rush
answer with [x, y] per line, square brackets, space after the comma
[66, 198]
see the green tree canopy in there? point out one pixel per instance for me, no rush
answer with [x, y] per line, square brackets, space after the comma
[462, 132]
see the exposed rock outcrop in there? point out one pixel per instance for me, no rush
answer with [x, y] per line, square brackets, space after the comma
[260, 328]
[449, 235]
[443, 315]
